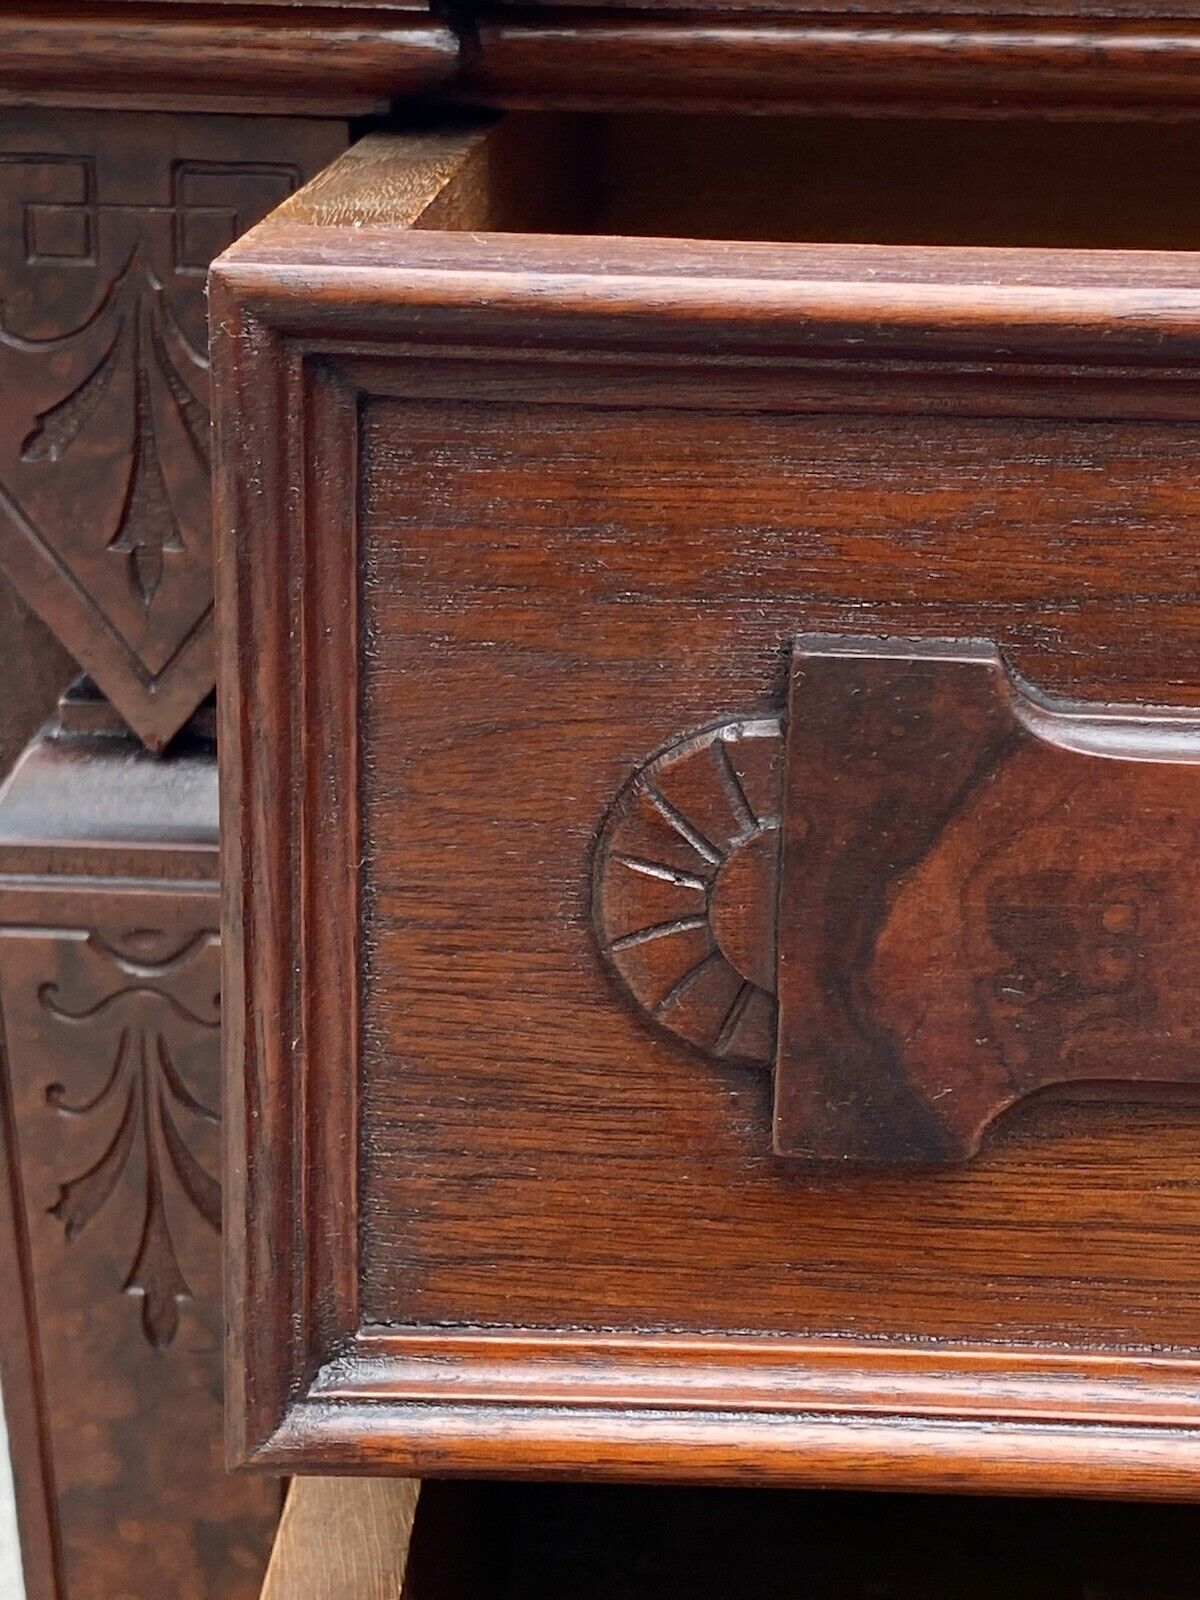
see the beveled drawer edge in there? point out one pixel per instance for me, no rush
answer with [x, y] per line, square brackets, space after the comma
[368, 282]
[728, 1445]
[1006, 1419]
[697, 1372]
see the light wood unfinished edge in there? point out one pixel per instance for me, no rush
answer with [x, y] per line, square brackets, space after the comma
[343, 1539]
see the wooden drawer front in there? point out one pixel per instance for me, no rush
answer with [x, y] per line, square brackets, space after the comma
[504, 517]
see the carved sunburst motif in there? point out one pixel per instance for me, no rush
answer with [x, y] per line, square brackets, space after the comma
[684, 889]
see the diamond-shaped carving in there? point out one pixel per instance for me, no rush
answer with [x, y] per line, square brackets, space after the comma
[106, 226]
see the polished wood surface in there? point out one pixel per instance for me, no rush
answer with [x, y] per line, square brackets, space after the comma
[921, 893]
[333, 58]
[878, 1333]
[983, 894]
[870, 61]
[563, 496]
[1121, 59]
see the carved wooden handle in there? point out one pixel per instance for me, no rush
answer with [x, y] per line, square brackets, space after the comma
[961, 893]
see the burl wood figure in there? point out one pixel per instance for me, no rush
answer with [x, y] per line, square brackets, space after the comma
[923, 894]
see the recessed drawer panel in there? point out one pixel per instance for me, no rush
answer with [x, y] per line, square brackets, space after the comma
[711, 740]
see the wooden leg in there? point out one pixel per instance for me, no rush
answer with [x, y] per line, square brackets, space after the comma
[110, 1317]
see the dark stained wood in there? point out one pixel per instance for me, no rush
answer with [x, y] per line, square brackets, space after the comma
[961, 894]
[874, 60]
[104, 528]
[325, 57]
[499, 515]
[685, 885]
[982, 894]
[36, 667]
[106, 231]
[1121, 59]
[110, 1338]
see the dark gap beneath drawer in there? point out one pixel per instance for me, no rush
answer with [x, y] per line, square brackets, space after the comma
[518, 1541]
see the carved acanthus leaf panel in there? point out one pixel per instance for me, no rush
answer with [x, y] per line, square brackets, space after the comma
[111, 1060]
[107, 227]
[145, 1000]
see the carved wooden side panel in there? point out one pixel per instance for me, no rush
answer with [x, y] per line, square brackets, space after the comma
[107, 226]
[117, 1094]
[109, 991]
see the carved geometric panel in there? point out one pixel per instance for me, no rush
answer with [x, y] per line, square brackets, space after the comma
[107, 226]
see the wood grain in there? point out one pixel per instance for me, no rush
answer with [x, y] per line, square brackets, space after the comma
[314, 59]
[343, 1539]
[563, 497]
[980, 897]
[921, 892]
[1121, 62]
[583, 686]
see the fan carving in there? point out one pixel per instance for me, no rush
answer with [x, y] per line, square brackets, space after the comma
[684, 890]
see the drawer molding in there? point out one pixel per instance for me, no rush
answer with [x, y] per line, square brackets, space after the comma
[356, 58]
[876, 62]
[1125, 317]
[341, 59]
[722, 1409]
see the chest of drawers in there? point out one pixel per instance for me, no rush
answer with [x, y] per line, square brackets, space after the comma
[705, 522]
